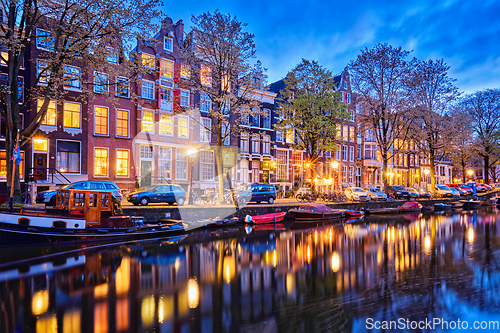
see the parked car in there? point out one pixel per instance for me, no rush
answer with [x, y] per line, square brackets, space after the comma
[256, 193]
[462, 191]
[456, 192]
[49, 197]
[413, 193]
[159, 193]
[481, 188]
[466, 187]
[423, 193]
[444, 191]
[488, 186]
[496, 185]
[356, 193]
[399, 192]
[376, 193]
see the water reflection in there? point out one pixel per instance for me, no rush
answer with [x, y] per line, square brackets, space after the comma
[326, 279]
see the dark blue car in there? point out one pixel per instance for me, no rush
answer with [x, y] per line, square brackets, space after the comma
[159, 193]
[256, 193]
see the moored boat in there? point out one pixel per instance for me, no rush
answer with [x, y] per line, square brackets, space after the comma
[456, 205]
[489, 202]
[470, 204]
[390, 210]
[353, 213]
[410, 207]
[315, 213]
[266, 218]
[441, 206]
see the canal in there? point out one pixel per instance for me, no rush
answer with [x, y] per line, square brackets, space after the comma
[330, 278]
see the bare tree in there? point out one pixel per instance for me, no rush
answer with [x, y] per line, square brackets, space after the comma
[311, 108]
[220, 55]
[462, 142]
[484, 110]
[432, 92]
[379, 76]
[72, 32]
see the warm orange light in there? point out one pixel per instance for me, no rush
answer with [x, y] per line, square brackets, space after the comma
[471, 235]
[193, 293]
[40, 302]
[308, 165]
[427, 242]
[148, 310]
[335, 261]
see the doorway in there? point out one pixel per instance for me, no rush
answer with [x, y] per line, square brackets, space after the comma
[145, 174]
[40, 161]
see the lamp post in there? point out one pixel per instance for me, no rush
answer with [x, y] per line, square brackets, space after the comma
[470, 172]
[335, 166]
[192, 155]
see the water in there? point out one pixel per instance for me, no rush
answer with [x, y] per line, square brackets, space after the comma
[333, 278]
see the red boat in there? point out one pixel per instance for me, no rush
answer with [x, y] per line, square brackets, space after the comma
[313, 213]
[266, 218]
[410, 206]
[353, 213]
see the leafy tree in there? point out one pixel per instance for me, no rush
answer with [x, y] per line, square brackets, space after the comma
[74, 32]
[432, 92]
[462, 143]
[379, 76]
[311, 108]
[483, 108]
[220, 55]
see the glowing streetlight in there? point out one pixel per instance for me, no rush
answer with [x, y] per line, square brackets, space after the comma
[335, 165]
[470, 172]
[426, 172]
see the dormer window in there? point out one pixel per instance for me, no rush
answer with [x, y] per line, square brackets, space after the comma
[168, 43]
[345, 85]
[148, 61]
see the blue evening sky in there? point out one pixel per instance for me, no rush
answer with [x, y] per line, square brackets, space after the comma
[464, 33]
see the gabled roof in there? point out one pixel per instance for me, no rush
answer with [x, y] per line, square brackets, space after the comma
[277, 86]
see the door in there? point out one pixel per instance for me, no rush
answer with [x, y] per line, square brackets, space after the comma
[40, 165]
[145, 174]
[93, 212]
[256, 195]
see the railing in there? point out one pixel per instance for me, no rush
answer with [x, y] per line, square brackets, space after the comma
[145, 181]
[39, 173]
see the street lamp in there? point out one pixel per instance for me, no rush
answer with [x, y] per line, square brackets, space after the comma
[335, 166]
[192, 155]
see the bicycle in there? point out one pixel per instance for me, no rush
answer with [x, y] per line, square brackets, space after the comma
[196, 198]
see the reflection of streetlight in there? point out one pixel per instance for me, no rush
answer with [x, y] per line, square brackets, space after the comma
[193, 293]
[192, 155]
[335, 261]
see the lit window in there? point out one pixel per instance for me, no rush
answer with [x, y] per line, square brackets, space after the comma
[3, 165]
[44, 40]
[100, 162]
[205, 127]
[164, 162]
[122, 123]
[72, 77]
[68, 156]
[289, 136]
[147, 123]
[148, 61]
[72, 112]
[166, 125]
[205, 75]
[100, 120]
[206, 165]
[42, 71]
[5, 55]
[185, 72]
[184, 98]
[181, 160]
[205, 103]
[122, 162]
[167, 44]
[40, 144]
[282, 165]
[148, 89]
[122, 87]
[166, 67]
[50, 116]
[183, 127]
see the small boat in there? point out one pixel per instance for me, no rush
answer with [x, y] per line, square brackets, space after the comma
[441, 207]
[315, 213]
[410, 207]
[207, 223]
[78, 216]
[391, 210]
[353, 213]
[489, 202]
[427, 208]
[266, 218]
[470, 204]
[456, 205]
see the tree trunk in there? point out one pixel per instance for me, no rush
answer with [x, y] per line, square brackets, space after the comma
[464, 180]
[220, 167]
[432, 155]
[486, 169]
[384, 172]
[10, 142]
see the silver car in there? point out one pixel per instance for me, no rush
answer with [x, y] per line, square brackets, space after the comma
[356, 194]
[376, 193]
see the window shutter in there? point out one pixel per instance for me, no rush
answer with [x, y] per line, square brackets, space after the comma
[177, 72]
[177, 100]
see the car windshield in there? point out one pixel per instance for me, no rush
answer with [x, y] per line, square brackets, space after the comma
[150, 188]
[377, 190]
[357, 189]
[443, 187]
[244, 188]
[464, 186]
[399, 188]
[410, 189]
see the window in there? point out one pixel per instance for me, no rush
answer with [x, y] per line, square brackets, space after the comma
[351, 174]
[289, 136]
[338, 153]
[244, 142]
[5, 55]
[122, 87]
[338, 131]
[42, 71]
[206, 165]
[148, 89]
[279, 136]
[266, 119]
[358, 152]
[146, 152]
[351, 154]
[344, 173]
[50, 116]
[44, 40]
[205, 76]
[182, 127]
[3, 165]
[344, 153]
[205, 103]
[147, 123]
[148, 61]
[181, 161]
[40, 144]
[68, 156]
[184, 98]
[352, 137]
[266, 145]
[345, 135]
[226, 132]
[165, 99]
[205, 126]
[122, 123]
[351, 116]
[164, 162]
[348, 98]
[122, 162]
[167, 44]
[282, 165]
[255, 144]
[72, 112]
[101, 162]
[255, 118]
[345, 85]
[100, 120]
[71, 77]
[244, 117]
[185, 72]
[166, 125]
[166, 67]
[112, 55]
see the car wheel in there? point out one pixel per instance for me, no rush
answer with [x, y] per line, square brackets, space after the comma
[180, 201]
[53, 201]
[144, 201]
[170, 203]
[242, 202]
[270, 200]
